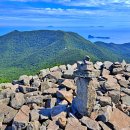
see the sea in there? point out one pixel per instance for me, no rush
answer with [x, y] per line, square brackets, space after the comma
[117, 35]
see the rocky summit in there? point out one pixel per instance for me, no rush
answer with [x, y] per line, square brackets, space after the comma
[82, 96]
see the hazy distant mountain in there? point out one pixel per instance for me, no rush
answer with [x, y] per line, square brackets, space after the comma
[29, 51]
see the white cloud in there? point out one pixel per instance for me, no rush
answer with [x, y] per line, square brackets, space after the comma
[81, 2]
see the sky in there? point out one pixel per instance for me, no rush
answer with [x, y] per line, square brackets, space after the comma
[40, 14]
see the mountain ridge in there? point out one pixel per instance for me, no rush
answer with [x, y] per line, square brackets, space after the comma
[30, 51]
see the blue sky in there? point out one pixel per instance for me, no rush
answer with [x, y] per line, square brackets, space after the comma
[38, 14]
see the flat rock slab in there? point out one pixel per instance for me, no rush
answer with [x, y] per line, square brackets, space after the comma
[7, 113]
[74, 124]
[119, 120]
[22, 118]
[91, 124]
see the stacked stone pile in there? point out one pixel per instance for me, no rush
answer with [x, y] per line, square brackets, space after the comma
[82, 96]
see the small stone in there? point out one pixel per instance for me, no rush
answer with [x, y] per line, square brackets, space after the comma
[91, 124]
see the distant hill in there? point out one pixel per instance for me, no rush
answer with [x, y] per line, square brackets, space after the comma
[28, 51]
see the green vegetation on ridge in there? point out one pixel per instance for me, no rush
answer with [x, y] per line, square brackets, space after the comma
[28, 52]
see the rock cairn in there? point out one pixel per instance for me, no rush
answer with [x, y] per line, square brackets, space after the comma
[81, 96]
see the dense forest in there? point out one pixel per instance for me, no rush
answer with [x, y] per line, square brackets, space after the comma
[29, 51]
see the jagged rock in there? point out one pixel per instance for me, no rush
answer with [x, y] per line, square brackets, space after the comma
[25, 80]
[52, 126]
[119, 120]
[36, 99]
[45, 113]
[115, 96]
[51, 91]
[103, 126]
[34, 115]
[57, 74]
[58, 112]
[124, 83]
[22, 118]
[98, 65]
[27, 89]
[69, 84]
[74, 124]
[128, 67]
[4, 101]
[6, 85]
[7, 113]
[91, 124]
[50, 103]
[35, 125]
[126, 100]
[6, 93]
[36, 83]
[111, 84]
[43, 127]
[55, 68]
[0, 125]
[104, 114]
[107, 65]
[86, 96]
[43, 73]
[105, 73]
[104, 101]
[87, 66]
[126, 90]
[62, 68]
[117, 71]
[50, 78]
[67, 95]
[62, 122]
[17, 101]
[68, 74]
[45, 85]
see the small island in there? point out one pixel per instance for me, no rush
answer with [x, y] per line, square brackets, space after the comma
[99, 37]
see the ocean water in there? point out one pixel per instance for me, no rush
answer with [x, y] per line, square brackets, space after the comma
[118, 35]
